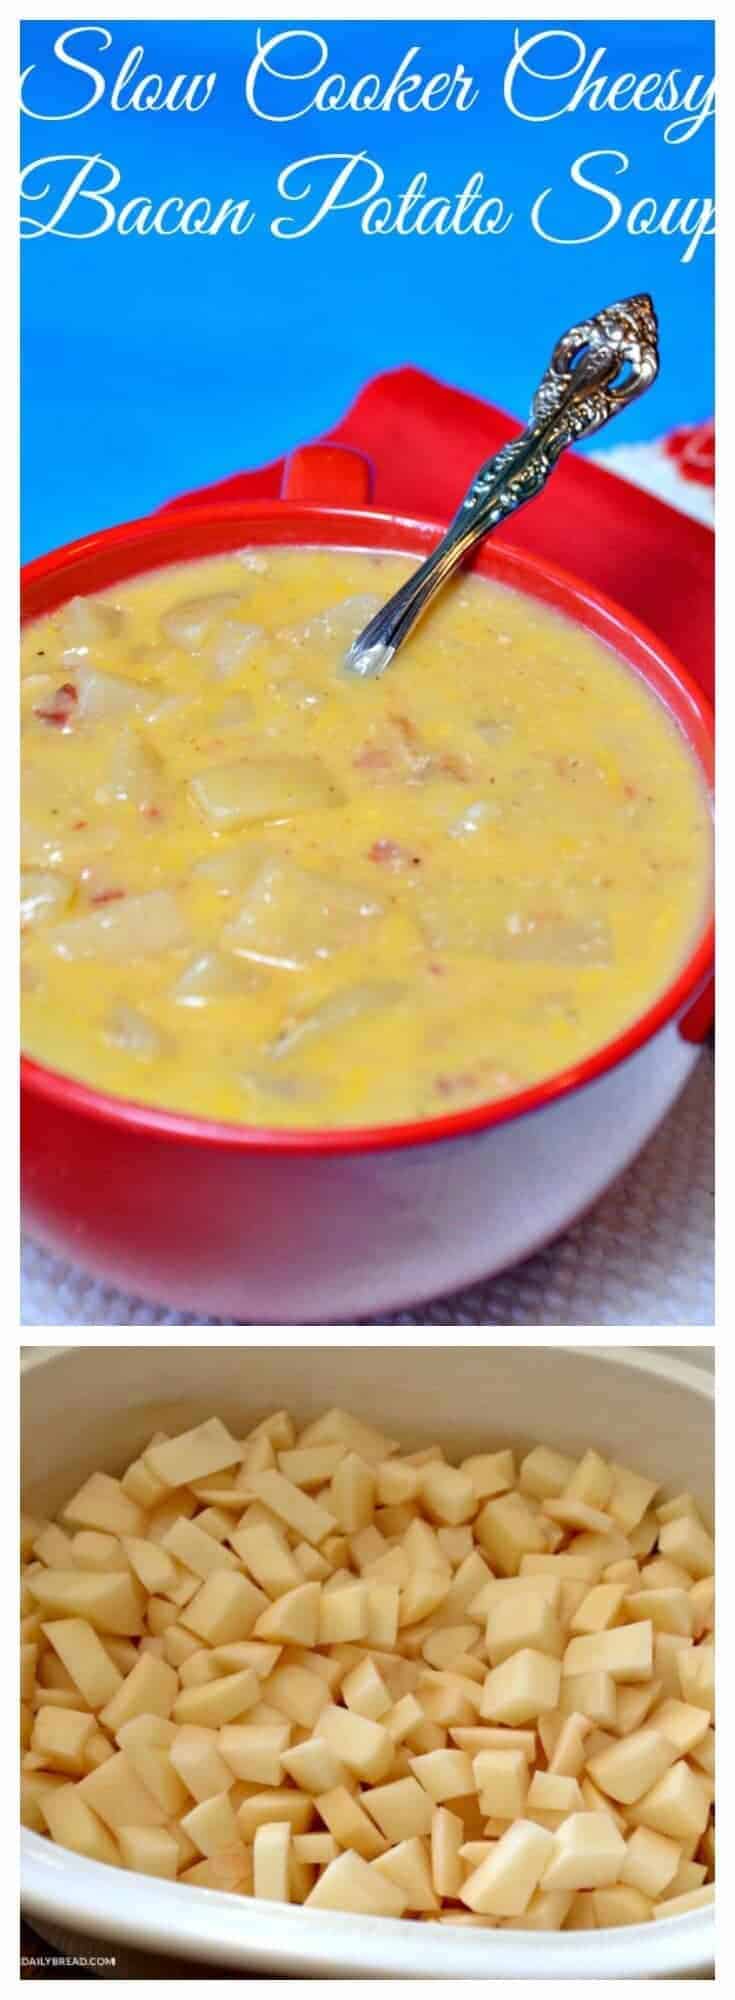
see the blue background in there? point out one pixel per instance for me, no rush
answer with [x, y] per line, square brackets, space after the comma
[152, 364]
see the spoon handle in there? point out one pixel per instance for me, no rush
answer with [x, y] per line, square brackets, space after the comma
[596, 369]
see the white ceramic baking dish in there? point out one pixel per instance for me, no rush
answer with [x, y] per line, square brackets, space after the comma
[91, 1407]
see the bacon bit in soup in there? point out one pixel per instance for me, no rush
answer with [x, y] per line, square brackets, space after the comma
[389, 854]
[61, 708]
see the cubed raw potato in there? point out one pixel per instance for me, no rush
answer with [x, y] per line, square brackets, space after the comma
[630, 1498]
[85, 1659]
[339, 1425]
[697, 1677]
[349, 1823]
[231, 1870]
[508, 1530]
[629, 1768]
[524, 1687]
[271, 1861]
[110, 1602]
[155, 1570]
[212, 1824]
[667, 1648]
[312, 1465]
[677, 1804]
[447, 1836]
[313, 1766]
[570, 1749]
[141, 1484]
[485, 1737]
[304, 1516]
[365, 1747]
[344, 1613]
[194, 1454]
[224, 1609]
[551, 1793]
[544, 1474]
[547, 1911]
[73, 1823]
[148, 1742]
[625, 1653]
[102, 1503]
[271, 1807]
[669, 1610]
[195, 1757]
[685, 1541]
[395, 1482]
[35, 1786]
[448, 1495]
[402, 1810]
[265, 1552]
[490, 1473]
[683, 1724]
[315, 1849]
[677, 1906]
[28, 1660]
[504, 1883]
[149, 1850]
[587, 1853]
[292, 1619]
[218, 1702]
[502, 1590]
[594, 1695]
[592, 1480]
[600, 1608]
[53, 1547]
[501, 1777]
[198, 1551]
[352, 1493]
[298, 1694]
[702, 1599]
[703, 1754]
[651, 1862]
[349, 1883]
[620, 1905]
[407, 1864]
[519, 1623]
[150, 1688]
[254, 1751]
[365, 1691]
[116, 1794]
[444, 1774]
[60, 1737]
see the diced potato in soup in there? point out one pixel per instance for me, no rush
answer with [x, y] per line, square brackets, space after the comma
[258, 891]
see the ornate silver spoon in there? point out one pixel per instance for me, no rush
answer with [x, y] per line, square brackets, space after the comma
[596, 369]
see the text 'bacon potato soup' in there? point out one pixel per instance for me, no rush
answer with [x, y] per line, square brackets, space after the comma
[258, 891]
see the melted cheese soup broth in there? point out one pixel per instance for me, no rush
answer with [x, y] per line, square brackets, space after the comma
[260, 892]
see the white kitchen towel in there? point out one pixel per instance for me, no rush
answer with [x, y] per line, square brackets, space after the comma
[643, 1256]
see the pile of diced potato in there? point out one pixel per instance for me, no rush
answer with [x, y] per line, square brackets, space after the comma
[312, 1667]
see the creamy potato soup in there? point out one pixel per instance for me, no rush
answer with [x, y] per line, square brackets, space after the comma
[258, 891]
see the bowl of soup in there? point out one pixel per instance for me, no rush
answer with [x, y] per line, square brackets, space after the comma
[338, 995]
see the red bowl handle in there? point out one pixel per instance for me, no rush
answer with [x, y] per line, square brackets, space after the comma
[333, 474]
[699, 1019]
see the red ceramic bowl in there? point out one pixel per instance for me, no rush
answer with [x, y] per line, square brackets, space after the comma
[293, 1227]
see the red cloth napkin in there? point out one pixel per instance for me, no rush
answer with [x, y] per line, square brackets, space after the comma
[426, 440]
